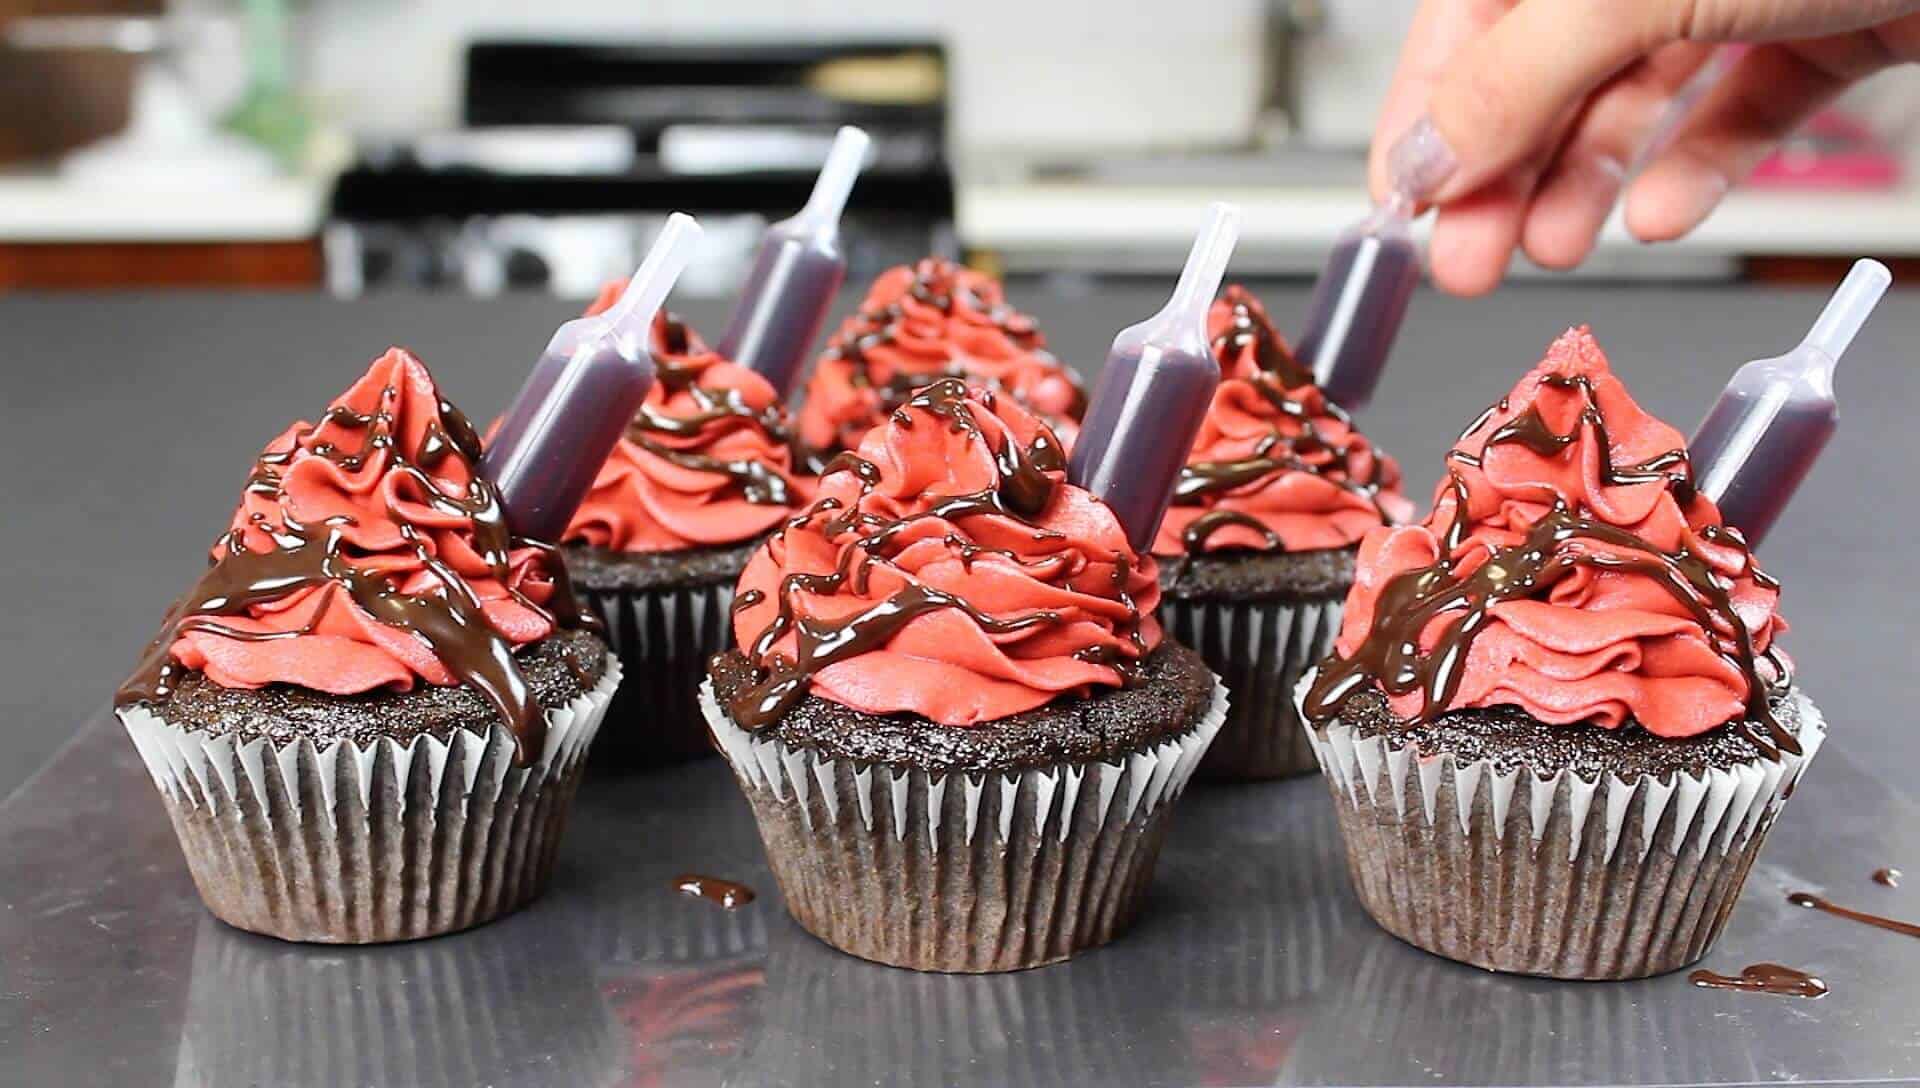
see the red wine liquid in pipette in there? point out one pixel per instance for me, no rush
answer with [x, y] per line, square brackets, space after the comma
[582, 393]
[1122, 455]
[1154, 393]
[1776, 415]
[784, 304]
[1773, 441]
[1357, 307]
[796, 274]
[596, 392]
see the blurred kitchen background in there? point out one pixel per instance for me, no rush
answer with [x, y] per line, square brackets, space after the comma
[481, 146]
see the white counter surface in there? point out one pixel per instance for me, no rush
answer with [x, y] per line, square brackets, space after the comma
[42, 207]
[1056, 218]
[1052, 217]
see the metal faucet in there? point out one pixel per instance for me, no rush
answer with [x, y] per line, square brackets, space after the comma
[1288, 26]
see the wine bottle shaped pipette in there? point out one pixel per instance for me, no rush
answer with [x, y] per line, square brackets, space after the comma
[1153, 394]
[796, 274]
[1359, 301]
[1776, 415]
[582, 393]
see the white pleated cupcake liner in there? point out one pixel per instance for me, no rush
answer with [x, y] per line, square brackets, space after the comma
[345, 843]
[431, 1014]
[962, 872]
[1260, 649]
[1552, 875]
[665, 639]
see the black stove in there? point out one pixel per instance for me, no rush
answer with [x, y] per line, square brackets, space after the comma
[571, 156]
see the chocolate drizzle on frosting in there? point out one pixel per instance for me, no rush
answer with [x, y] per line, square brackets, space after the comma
[1024, 489]
[451, 622]
[718, 412]
[1392, 654]
[1531, 431]
[1764, 978]
[1194, 538]
[939, 284]
[1277, 453]
[1249, 326]
[942, 285]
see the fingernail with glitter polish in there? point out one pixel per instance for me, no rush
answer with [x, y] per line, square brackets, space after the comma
[1420, 162]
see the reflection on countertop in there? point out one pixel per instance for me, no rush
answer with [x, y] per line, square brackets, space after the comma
[1251, 964]
[501, 1003]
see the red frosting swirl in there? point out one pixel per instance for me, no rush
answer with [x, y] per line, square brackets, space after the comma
[708, 460]
[1276, 466]
[949, 570]
[376, 507]
[1568, 568]
[918, 324]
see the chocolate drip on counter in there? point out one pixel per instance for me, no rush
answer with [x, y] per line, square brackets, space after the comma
[452, 622]
[729, 894]
[1025, 488]
[1819, 903]
[1392, 655]
[1249, 326]
[1763, 978]
[1888, 877]
[717, 413]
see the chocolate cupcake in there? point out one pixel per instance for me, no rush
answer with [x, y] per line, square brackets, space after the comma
[919, 324]
[953, 711]
[1257, 548]
[1555, 724]
[368, 717]
[705, 471]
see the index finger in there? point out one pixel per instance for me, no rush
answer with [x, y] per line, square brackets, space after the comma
[1440, 29]
[1503, 94]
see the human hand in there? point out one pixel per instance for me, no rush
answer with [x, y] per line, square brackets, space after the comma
[1519, 119]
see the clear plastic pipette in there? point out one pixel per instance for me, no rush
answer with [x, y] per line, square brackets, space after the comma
[581, 395]
[796, 274]
[1773, 419]
[1153, 394]
[1359, 301]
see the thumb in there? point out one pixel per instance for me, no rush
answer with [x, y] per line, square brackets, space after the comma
[1509, 90]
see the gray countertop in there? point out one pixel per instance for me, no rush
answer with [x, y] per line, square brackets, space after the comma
[131, 422]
